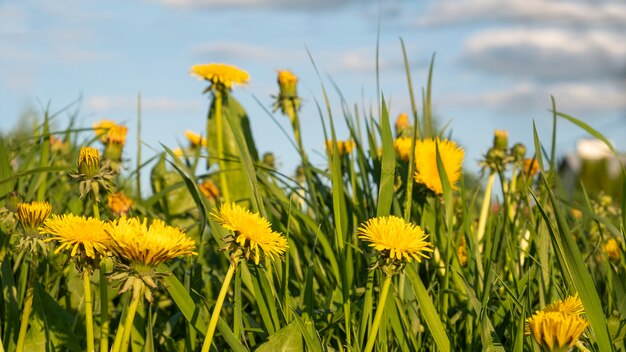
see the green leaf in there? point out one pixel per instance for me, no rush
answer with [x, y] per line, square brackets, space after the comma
[287, 339]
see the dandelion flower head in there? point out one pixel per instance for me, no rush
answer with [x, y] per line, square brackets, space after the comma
[556, 331]
[344, 147]
[221, 74]
[135, 241]
[195, 139]
[612, 250]
[116, 135]
[79, 235]
[102, 127]
[530, 167]
[426, 171]
[402, 145]
[252, 232]
[119, 203]
[209, 189]
[570, 305]
[395, 238]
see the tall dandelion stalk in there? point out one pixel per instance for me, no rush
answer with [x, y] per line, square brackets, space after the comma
[86, 243]
[397, 243]
[140, 249]
[222, 78]
[252, 238]
[31, 216]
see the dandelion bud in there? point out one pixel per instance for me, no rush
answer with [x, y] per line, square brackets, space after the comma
[89, 161]
[32, 215]
[403, 125]
[501, 140]
[287, 100]
[518, 151]
[12, 201]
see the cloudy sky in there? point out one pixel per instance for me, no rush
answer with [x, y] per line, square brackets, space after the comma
[497, 62]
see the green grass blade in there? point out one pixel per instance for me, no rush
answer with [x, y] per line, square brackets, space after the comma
[569, 257]
[387, 174]
[427, 308]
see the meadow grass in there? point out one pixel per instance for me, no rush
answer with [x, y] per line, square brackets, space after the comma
[497, 258]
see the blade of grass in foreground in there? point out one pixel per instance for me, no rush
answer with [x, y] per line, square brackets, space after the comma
[427, 308]
[191, 312]
[570, 258]
[385, 192]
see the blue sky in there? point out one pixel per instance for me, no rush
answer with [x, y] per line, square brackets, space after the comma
[497, 63]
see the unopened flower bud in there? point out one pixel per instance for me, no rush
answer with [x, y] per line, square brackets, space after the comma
[501, 140]
[89, 161]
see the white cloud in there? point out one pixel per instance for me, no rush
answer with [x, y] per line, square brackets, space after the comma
[526, 97]
[574, 12]
[548, 54]
[163, 104]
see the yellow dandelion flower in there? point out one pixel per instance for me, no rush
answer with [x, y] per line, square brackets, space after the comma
[83, 237]
[209, 189]
[612, 250]
[344, 147]
[570, 305]
[119, 203]
[426, 171]
[195, 139]
[102, 127]
[530, 167]
[402, 145]
[58, 145]
[135, 241]
[89, 161]
[32, 215]
[252, 232]
[221, 74]
[178, 152]
[395, 238]
[348, 146]
[116, 134]
[556, 331]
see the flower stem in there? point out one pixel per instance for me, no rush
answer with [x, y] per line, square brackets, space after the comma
[371, 339]
[208, 338]
[219, 124]
[26, 309]
[88, 311]
[104, 308]
[132, 309]
[484, 210]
